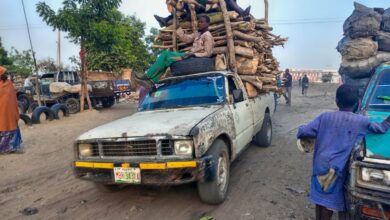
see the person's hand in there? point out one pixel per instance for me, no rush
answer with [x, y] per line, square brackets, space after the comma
[188, 54]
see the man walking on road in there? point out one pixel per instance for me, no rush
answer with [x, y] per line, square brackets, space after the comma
[287, 86]
[305, 84]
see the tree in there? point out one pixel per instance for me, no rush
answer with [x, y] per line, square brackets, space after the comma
[47, 65]
[124, 47]
[149, 42]
[4, 59]
[80, 19]
[22, 62]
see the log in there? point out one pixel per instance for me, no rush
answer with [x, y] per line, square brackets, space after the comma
[267, 79]
[229, 36]
[247, 37]
[194, 22]
[254, 82]
[243, 43]
[266, 11]
[222, 26]
[243, 51]
[174, 35]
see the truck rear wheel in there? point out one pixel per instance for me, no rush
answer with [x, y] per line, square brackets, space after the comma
[214, 191]
[264, 137]
[73, 105]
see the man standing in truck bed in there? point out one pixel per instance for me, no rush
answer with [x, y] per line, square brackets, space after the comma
[203, 44]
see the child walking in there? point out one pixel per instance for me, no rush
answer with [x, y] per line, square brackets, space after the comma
[335, 134]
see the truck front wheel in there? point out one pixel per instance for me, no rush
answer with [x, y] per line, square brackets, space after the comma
[264, 137]
[108, 102]
[214, 190]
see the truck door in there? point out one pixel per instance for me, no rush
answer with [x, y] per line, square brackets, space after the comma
[243, 116]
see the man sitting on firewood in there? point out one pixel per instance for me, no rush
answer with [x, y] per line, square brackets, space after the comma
[201, 7]
[203, 44]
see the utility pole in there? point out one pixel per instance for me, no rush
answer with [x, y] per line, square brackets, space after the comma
[59, 51]
[37, 87]
[266, 11]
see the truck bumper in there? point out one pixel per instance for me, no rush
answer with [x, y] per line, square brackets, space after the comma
[368, 204]
[152, 173]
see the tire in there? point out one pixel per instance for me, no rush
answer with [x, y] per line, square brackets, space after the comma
[60, 111]
[32, 107]
[41, 111]
[73, 105]
[108, 102]
[25, 99]
[21, 107]
[108, 188]
[214, 191]
[192, 65]
[264, 137]
[26, 119]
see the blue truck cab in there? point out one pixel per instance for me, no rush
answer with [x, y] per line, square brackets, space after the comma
[368, 185]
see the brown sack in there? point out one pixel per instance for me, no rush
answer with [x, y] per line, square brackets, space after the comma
[220, 62]
[251, 90]
[246, 66]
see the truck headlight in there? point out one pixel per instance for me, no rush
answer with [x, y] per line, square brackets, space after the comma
[183, 148]
[375, 176]
[85, 150]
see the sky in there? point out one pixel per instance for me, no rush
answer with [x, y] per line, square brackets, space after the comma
[313, 27]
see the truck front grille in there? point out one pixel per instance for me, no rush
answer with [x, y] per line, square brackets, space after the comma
[129, 148]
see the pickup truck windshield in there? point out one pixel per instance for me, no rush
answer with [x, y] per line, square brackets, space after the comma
[190, 91]
[380, 100]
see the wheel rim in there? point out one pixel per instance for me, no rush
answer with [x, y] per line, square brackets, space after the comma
[269, 132]
[42, 117]
[222, 173]
[72, 106]
[60, 114]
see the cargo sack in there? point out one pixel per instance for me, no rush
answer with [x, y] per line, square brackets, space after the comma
[383, 39]
[247, 66]
[220, 62]
[360, 84]
[59, 87]
[386, 20]
[363, 68]
[357, 49]
[363, 22]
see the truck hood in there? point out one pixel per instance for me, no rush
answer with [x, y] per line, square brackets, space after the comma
[172, 122]
[378, 145]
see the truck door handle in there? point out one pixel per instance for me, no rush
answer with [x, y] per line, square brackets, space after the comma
[247, 104]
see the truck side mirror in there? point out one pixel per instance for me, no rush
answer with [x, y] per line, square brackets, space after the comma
[238, 95]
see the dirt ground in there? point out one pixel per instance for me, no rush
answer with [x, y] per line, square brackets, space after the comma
[265, 183]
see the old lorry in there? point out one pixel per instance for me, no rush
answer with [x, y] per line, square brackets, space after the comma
[368, 185]
[102, 90]
[188, 129]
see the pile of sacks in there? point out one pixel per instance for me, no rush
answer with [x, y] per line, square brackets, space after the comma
[253, 42]
[366, 45]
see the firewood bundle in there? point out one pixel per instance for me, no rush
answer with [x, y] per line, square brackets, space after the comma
[253, 43]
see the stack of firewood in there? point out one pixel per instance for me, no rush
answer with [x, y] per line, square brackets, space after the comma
[253, 43]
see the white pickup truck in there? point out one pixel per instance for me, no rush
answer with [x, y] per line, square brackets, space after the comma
[190, 128]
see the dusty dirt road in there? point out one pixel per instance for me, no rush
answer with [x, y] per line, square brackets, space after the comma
[265, 183]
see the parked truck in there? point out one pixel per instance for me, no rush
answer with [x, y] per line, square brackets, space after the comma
[369, 180]
[189, 129]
